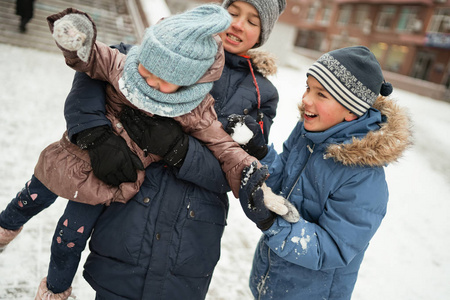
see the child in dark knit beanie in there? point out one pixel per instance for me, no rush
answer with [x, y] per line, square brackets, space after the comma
[349, 131]
[169, 75]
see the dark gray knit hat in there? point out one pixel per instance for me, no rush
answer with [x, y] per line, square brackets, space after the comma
[268, 10]
[352, 76]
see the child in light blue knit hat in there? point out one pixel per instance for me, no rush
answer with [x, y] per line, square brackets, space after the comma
[182, 51]
[170, 75]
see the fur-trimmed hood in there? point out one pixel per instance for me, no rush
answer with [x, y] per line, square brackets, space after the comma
[263, 61]
[379, 147]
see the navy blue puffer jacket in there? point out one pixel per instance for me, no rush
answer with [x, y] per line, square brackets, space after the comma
[165, 242]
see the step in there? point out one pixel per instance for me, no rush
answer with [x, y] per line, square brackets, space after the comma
[114, 23]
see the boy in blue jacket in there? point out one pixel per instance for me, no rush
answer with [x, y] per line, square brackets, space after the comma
[332, 170]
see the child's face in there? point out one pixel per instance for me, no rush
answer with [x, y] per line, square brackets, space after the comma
[244, 30]
[321, 110]
[156, 82]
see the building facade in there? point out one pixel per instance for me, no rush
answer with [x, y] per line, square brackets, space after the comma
[410, 38]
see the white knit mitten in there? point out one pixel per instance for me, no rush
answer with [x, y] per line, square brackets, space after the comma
[74, 32]
[280, 205]
[44, 294]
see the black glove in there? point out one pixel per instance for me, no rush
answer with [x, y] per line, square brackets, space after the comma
[111, 159]
[256, 146]
[251, 196]
[158, 135]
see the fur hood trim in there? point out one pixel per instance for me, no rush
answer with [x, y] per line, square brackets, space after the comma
[263, 61]
[380, 147]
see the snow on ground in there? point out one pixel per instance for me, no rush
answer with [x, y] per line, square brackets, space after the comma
[407, 259]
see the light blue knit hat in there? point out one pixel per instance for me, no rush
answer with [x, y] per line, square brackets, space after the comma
[179, 49]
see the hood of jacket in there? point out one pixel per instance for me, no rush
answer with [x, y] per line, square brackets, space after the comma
[380, 137]
[263, 61]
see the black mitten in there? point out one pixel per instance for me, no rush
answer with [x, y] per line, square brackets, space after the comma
[111, 159]
[251, 196]
[158, 135]
[254, 145]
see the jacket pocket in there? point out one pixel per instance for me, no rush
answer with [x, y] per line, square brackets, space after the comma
[199, 248]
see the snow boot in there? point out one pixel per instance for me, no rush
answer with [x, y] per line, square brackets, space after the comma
[6, 236]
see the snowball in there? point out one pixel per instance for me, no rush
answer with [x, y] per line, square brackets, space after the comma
[242, 134]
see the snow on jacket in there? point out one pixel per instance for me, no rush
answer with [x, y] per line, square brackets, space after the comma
[165, 242]
[336, 180]
[66, 171]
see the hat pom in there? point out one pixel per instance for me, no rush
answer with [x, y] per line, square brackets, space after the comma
[386, 88]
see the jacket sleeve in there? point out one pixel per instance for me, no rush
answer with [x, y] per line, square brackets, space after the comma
[201, 168]
[277, 162]
[85, 105]
[202, 124]
[351, 216]
[102, 63]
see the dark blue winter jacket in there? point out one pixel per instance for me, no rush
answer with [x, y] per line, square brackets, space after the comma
[165, 242]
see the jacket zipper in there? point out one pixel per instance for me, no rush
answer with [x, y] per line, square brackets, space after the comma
[263, 281]
[311, 150]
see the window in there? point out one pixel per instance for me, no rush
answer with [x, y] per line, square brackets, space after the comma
[341, 41]
[326, 15]
[312, 12]
[379, 50]
[361, 14]
[440, 22]
[408, 19]
[386, 17]
[310, 39]
[345, 13]
[395, 58]
[422, 65]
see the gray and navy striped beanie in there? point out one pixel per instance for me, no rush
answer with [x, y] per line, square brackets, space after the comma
[352, 76]
[268, 10]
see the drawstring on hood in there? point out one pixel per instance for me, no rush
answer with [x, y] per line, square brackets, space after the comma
[260, 115]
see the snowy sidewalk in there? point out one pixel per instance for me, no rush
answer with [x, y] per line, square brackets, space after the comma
[407, 259]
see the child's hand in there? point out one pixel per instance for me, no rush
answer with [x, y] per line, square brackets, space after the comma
[251, 196]
[75, 32]
[43, 292]
[280, 205]
[247, 132]
[112, 161]
[157, 135]
[67, 36]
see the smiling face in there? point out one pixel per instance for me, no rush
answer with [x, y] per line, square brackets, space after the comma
[156, 82]
[320, 110]
[245, 28]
